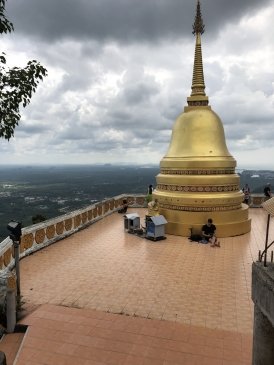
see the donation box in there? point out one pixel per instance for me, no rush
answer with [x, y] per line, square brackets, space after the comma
[131, 221]
[155, 227]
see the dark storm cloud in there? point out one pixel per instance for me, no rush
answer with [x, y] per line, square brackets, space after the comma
[121, 20]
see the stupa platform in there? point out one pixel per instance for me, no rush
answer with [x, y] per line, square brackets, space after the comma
[205, 291]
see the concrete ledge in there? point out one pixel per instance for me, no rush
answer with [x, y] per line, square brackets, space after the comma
[263, 289]
[256, 200]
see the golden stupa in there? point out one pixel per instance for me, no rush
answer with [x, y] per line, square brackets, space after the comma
[197, 179]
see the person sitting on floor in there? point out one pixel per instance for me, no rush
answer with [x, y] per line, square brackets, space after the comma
[124, 207]
[208, 232]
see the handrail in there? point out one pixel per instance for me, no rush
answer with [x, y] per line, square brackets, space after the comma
[267, 246]
[264, 253]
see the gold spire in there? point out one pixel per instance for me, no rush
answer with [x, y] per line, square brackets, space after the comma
[198, 96]
[198, 26]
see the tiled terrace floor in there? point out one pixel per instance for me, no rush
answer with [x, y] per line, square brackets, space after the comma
[69, 336]
[204, 290]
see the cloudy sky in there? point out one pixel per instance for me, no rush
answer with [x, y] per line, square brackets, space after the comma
[119, 73]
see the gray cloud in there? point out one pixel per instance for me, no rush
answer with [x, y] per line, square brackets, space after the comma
[121, 20]
[33, 128]
[120, 72]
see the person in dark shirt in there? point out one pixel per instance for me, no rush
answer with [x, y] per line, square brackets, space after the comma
[149, 194]
[267, 192]
[208, 232]
[124, 207]
[246, 191]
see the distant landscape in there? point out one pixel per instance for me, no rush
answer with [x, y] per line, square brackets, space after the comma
[53, 191]
[27, 191]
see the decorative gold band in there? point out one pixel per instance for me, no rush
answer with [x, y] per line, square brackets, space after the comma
[197, 172]
[197, 90]
[201, 209]
[199, 189]
[198, 103]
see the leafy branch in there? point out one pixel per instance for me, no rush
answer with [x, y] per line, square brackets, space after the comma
[17, 85]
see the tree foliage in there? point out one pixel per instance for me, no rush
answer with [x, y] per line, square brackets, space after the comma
[16, 84]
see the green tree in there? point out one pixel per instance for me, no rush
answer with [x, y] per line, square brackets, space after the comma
[16, 84]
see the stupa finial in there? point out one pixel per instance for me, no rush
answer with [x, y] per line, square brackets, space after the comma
[198, 96]
[198, 26]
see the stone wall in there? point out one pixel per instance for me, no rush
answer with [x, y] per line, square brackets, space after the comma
[263, 298]
[256, 200]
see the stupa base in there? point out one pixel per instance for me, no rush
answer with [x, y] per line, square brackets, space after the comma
[228, 223]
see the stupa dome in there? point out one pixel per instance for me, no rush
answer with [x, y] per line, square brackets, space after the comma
[198, 132]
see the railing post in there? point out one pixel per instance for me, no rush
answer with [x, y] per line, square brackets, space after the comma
[11, 303]
[266, 240]
[16, 246]
[3, 360]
